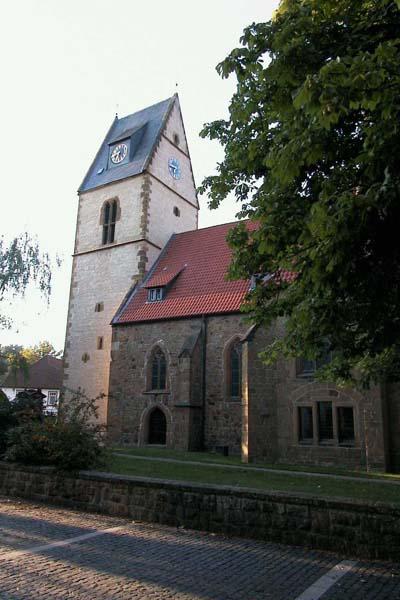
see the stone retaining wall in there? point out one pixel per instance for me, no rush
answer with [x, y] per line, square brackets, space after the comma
[350, 527]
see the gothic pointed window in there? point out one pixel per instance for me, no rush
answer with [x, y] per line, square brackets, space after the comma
[110, 210]
[234, 370]
[158, 370]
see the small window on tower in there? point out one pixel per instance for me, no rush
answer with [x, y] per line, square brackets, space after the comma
[177, 212]
[110, 211]
[99, 306]
[176, 139]
[100, 343]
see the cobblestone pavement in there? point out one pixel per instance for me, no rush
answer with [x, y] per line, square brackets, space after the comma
[49, 553]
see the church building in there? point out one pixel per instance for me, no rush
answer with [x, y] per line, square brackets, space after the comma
[155, 330]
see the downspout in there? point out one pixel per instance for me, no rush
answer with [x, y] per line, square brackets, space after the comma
[204, 380]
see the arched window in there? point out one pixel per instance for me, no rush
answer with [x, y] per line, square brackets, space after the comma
[109, 218]
[158, 370]
[235, 370]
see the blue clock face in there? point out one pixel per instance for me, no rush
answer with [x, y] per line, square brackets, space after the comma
[174, 168]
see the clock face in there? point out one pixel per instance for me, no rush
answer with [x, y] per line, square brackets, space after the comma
[119, 153]
[174, 168]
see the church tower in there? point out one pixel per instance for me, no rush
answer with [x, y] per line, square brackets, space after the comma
[138, 191]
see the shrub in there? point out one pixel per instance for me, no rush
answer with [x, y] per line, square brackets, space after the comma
[28, 406]
[6, 421]
[28, 443]
[73, 441]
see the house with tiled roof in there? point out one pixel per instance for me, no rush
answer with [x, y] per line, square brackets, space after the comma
[156, 332]
[44, 375]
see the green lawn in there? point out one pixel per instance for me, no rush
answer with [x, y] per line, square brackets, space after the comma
[248, 477]
[212, 457]
[206, 457]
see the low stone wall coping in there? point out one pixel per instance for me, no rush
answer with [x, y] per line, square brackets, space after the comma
[210, 488]
[353, 527]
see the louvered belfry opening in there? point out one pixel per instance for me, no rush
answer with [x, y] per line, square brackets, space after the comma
[109, 218]
[157, 427]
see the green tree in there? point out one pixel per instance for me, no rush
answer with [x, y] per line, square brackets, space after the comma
[12, 361]
[15, 358]
[22, 262]
[312, 153]
[44, 348]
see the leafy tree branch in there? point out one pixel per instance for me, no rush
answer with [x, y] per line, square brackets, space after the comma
[312, 149]
[22, 263]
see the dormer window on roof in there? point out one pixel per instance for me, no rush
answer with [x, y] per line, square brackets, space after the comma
[155, 294]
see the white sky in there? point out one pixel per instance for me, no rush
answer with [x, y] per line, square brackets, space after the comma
[67, 66]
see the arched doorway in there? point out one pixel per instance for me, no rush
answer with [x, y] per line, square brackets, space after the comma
[157, 427]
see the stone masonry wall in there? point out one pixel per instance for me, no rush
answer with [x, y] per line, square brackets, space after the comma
[130, 397]
[259, 405]
[263, 426]
[392, 396]
[277, 396]
[100, 276]
[223, 417]
[353, 528]
[131, 401]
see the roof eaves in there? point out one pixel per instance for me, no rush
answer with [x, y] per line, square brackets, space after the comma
[195, 315]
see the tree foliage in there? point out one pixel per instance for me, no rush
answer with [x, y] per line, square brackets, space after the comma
[12, 361]
[34, 353]
[15, 358]
[312, 153]
[70, 442]
[21, 263]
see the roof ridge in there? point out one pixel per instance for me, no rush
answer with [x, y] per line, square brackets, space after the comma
[146, 108]
[212, 227]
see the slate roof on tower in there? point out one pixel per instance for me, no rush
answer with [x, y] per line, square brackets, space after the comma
[192, 267]
[142, 129]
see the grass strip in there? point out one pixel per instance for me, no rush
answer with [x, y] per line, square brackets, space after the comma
[213, 458]
[244, 477]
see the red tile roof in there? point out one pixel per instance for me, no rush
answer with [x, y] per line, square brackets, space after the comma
[46, 373]
[164, 278]
[199, 262]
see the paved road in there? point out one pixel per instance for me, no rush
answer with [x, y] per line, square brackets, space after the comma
[51, 554]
